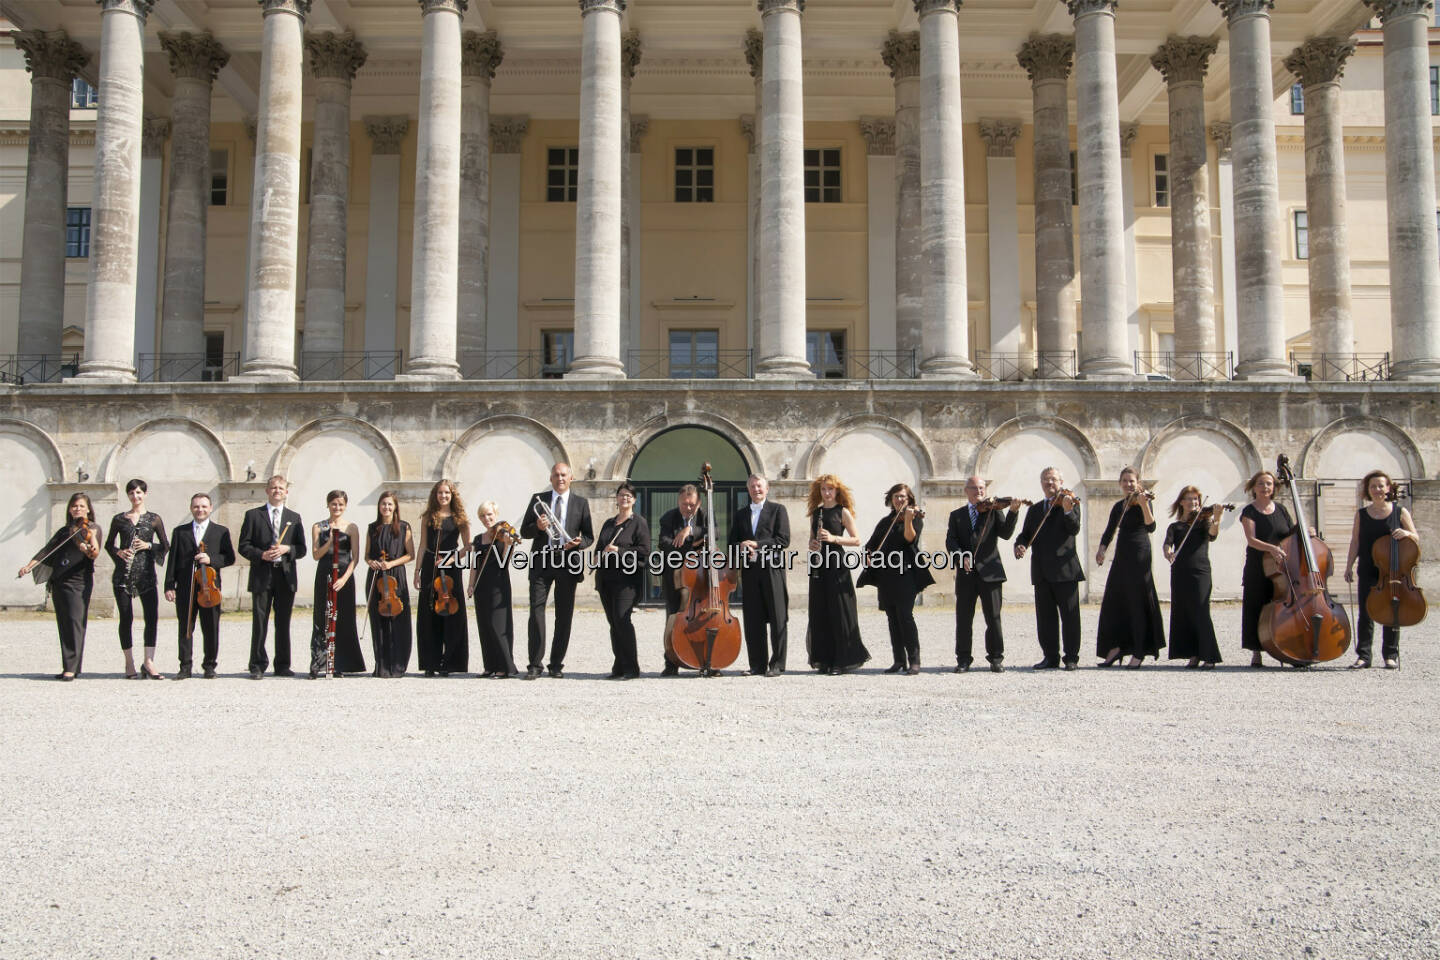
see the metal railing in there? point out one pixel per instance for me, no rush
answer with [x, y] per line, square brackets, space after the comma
[1185, 365]
[1341, 366]
[186, 367]
[882, 365]
[1041, 365]
[349, 365]
[712, 365]
[509, 365]
[21, 368]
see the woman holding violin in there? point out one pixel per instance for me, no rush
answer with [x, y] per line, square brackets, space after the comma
[389, 545]
[441, 630]
[834, 634]
[1130, 619]
[898, 579]
[332, 544]
[1381, 520]
[1187, 548]
[69, 557]
[1266, 524]
[136, 543]
[622, 547]
[490, 586]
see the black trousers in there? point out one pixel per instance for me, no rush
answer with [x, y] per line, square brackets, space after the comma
[207, 621]
[968, 589]
[1365, 629]
[276, 594]
[618, 599]
[71, 597]
[899, 595]
[760, 612]
[1057, 615]
[149, 605]
[564, 612]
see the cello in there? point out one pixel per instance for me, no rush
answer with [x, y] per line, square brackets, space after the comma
[1303, 624]
[704, 635]
[1395, 600]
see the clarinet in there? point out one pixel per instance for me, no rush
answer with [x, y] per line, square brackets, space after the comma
[132, 566]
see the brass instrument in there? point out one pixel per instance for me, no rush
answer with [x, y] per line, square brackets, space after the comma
[556, 530]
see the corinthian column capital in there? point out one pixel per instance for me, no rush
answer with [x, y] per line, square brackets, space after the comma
[1079, 8]
[631, 49]
[1047, 56]
[754, 51]
[879, 134]
[1236, 9]
[194, 56]
[335, 55]
[1320, 59]
[386, 133]
[137, 8]
[780, 6]
[922, 7]
[590, 6]
[901, 53]
[481, 54]
[300, 8]
[506, 133]
[1390, 9]
[1184, 59]
[1000, 137]
[51, 54]
[153, 131]
[1220, 132]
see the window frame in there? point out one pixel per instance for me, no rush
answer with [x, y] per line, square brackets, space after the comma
[556, 370]
[571, 188]
[820, 168]
[695, 169]
[1297, 99]
[1300, 225]
[82, 243]
[1160, 196]
[836, 370]
[224, 174]
[82, 95]
[693, 370]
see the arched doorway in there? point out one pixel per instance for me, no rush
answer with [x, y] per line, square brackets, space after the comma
[674, 458]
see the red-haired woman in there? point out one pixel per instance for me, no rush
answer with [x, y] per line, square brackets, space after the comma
[1187, 547]
[1375, 521]
[70, 556]
[442, 638]
[834, 637]
[1266, 524]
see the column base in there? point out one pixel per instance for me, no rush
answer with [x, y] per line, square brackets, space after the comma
[266, 372]
[783, 368]
[1416, 369]
[596, 368]
[1107, 368]
[102, 371]
[947, 368]
[1269, 369]
[430, 368]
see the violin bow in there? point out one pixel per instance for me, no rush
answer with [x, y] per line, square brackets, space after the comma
[370, 595]
[58, 547]
[1193, 521]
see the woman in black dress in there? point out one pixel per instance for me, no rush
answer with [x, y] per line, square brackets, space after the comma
[1266, 524]
[622, 546]
[1374, 522]
[390, 536]
[834, 636]
[69, 556]
[333, 544]
[490, 586]
[137, 544]
[896, 576]
[1187, 547]
[443, 638]
[1130, 620]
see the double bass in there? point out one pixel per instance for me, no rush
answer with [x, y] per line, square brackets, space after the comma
[704, 635]
[1395, 600]
[1303, 624]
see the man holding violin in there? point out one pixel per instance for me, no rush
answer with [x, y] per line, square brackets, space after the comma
[194, 547]
[979, 575]
[1049, 536]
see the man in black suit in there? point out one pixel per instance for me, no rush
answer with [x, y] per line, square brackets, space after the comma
[762, 533]
[548, 565]
[272, 539]
[194, 544]
[1049, 535]
[682, 534]
[979, 574]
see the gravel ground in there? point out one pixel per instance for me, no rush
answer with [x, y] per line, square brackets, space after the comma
[1159, 813]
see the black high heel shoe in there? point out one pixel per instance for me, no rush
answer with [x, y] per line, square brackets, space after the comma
[148, 674]
[1110, 661]
[1136, 665]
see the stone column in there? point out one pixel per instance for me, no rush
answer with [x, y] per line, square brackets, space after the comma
[1317, 64]
[275, 199]
[195, 59]
[480, 55]
[1259, 290]
[507, 135]
[1104, 342]
[1004, 234]
[780, 352]
[147, 274]
[1047, 59]
[598, 207]
[630, 53]
[879, 134]
[751, 127]
[632, 312]
[1225, 178]
[902, 55]
[1182, 61]
[53, 60]
[434, 275]
[387, 135]
[1127, 205]
[115, 210]
[1410, 190]
[334, 58]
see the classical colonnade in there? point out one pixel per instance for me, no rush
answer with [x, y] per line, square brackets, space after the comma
[450, 249]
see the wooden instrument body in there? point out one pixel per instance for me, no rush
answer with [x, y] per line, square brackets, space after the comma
[206, 587]
[1396, 601]
[389, 604]
[704, 635]
[445, 603]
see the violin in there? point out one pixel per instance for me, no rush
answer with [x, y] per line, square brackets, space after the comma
[389, 604]
[206, 584]
[1000, 503]
[505, 534]
[83, 532]
[704, 635]
[1212, 511]
[1395, 600]
[1131, 499]
[445, 603]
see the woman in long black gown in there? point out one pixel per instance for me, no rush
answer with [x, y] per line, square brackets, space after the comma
[70, 556]
[1374, 522]
[136, 543]
[490, 586]
[390, 536]
[1266, 524]
[1130, 620]
[1187, 547]
[834, 636]
[333, 544]
[442, 638]
[898, 579]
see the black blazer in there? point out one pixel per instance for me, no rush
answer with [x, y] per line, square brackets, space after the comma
[1052, 554]
[960, 537]
[772, 533]
[632, 539]
[256, 537]
[182, 554]
[577, 524]
[889, 537]
[672, 523]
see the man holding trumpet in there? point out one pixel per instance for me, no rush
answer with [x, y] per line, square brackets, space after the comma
[558, 523]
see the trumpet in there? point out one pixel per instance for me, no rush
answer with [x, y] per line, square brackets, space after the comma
[556, 530]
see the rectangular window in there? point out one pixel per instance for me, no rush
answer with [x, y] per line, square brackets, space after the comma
[214, 369]
[1162, 179]
[82, 95]
[822, 175]
[1302, 235]
[1435, 91]
[694, 354]
[1074, 180]
[559, 351]
[562, 174]
[1297, 99]
[306, 173]
[694, 174]
[77, 231]
[219, 177]
[825, 352]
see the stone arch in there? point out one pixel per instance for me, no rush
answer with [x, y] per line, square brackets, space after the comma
[503, 423]
[39, 442]
[1148, 464]
[869, 453]
[284, 456]
[625, 454]
[1389, 431]
[911, 440]
[505, 458]
[30, 462]
[202, 434]
[980, 462]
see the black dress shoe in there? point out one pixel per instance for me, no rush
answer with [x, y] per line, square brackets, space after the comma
[671, 670]
[557, 672]
[962, 668]
[997, 667]
[615, 675]
[183, 673]
[287, 672]
[257, 674]
[895, 668]
[773, 672]
[914, 670]
[1071, 665]
[1046, 665]
[209, 673]
[532, 673]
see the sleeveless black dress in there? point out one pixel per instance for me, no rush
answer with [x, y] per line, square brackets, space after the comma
[348, 658]
[391, 635]
[1192, 632]
[443, 640]
[834, 635]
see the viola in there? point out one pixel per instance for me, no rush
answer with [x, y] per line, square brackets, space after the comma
[704, 635]
[445, 603]
[1303, 624]
[206, 586]
[389, 604]
[1395, 600]
[1000, 503]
